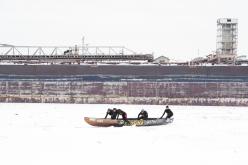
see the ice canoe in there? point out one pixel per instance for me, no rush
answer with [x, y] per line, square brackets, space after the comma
[100, 122]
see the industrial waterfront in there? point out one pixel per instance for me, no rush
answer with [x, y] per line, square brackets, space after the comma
[105, 74]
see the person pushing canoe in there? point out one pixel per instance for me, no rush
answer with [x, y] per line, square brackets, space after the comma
[115, 113]
[168, 112]
[112, 113]
[122, 113]
[143, 114]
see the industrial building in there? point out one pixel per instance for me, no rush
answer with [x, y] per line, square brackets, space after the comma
[226, 41]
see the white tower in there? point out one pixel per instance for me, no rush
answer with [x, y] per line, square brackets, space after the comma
[227, 36]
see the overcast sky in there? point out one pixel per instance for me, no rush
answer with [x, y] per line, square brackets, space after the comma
[178, 29]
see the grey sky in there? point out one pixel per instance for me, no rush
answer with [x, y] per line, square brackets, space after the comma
[174, 28]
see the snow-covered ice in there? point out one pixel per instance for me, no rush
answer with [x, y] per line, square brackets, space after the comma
[44, 134]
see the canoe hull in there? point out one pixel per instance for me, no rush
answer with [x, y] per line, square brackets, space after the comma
[100, 122]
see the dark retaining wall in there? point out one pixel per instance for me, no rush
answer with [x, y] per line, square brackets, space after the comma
[177, 93]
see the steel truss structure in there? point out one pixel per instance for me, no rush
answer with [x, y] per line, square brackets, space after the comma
[40, 54]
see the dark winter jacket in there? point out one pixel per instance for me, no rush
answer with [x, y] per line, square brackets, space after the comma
[143, 115]
[168, 112]
[112, 113]
[122, 113]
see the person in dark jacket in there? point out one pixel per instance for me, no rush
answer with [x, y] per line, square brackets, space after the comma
[112, 113]
[143, 114]
[168, 112]
[122, 113]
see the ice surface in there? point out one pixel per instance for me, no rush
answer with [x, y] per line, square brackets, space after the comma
[44, 134]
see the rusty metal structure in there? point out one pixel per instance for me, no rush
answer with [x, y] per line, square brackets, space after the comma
[125, 84]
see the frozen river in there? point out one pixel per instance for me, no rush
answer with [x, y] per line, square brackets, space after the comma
[44, 134]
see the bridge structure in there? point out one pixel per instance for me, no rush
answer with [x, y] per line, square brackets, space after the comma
[70, 54]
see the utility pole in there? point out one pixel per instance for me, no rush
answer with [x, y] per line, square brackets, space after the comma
[83, 45]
